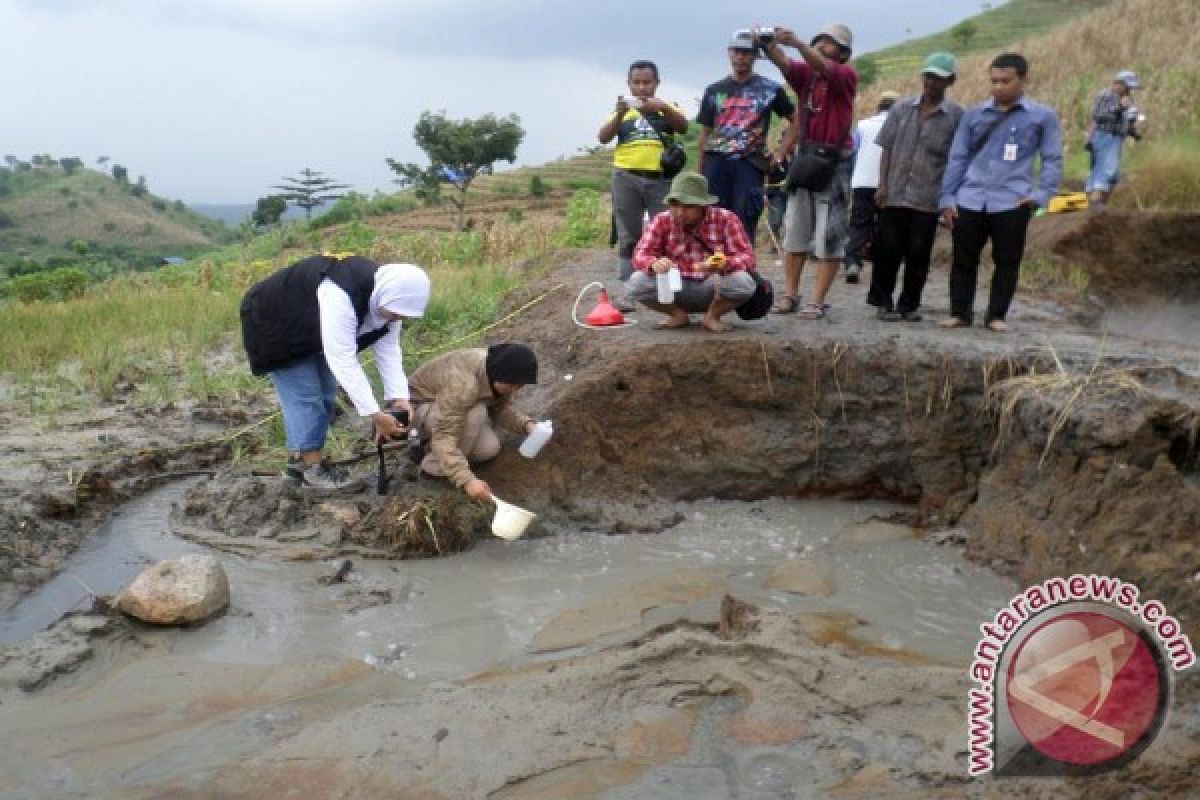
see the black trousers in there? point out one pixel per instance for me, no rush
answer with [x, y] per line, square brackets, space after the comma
[972, 231]
[862, 224]
[905, 236]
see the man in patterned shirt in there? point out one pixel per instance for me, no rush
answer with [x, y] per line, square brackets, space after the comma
[709, 247]
[735, 115]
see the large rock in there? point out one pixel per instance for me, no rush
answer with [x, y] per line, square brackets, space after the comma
[189, 589]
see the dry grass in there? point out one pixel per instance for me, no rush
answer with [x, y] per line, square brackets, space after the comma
[1072, 63]
[1061, 388]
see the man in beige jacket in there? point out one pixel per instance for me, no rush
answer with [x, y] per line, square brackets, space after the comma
[456, 399]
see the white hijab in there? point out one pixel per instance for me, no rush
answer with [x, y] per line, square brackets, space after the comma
[401, 289]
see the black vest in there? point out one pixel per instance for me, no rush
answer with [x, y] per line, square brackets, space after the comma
[281, 320]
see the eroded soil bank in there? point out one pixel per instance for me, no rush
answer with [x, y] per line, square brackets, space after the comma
[1057, 449]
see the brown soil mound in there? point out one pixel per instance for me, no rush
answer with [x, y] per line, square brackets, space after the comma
[1130, 257]
[421, 527]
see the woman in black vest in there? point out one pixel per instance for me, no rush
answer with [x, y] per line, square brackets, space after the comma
[304, 326]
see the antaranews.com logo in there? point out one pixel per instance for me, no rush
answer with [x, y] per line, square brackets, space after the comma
[1074, 677]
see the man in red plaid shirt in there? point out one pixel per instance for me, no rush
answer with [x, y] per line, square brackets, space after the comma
[710, 248]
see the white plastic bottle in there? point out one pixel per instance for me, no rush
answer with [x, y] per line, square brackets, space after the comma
[662, 282]
[675, 279]
[533, 443]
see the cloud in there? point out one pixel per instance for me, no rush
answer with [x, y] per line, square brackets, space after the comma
[216, 100]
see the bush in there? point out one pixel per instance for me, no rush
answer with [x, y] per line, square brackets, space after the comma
[109, 226]
[158, 204]
[354, 238]
[1161, 174]
[595, 184]
[349, 207]
[6, 220]
[587, 219]
[537, 186]
[51, 285]
[391, 203]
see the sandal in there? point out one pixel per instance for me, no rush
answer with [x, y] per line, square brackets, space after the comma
[812, 311]
[786, 304]
[954, 322]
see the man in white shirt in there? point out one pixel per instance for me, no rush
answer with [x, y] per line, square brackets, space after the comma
[304, 327]
[863, 184]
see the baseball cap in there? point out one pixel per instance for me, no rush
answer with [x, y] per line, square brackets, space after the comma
[941, 64]
[743, 40]
[1129, 78]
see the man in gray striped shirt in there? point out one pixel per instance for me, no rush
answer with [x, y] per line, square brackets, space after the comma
[916, 143]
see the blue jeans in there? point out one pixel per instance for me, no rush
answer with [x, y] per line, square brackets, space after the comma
[738, 185]
[307, 392]
[1106, 152]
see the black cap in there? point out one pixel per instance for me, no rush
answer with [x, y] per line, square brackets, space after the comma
[511, 363]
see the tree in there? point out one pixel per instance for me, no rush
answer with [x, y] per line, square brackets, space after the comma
[139, 189]
[102, 160]
[964, 32]
[269, 210]
[70, 164]
[11, 161]
[868, 70]
[459, 151]
[310, 190]
[120, 174]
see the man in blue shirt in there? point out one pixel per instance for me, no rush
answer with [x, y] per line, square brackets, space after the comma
[989, 190]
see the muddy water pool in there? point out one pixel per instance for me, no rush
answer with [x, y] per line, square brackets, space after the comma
[449, 618]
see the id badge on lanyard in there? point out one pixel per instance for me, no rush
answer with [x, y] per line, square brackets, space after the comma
[1010, 147]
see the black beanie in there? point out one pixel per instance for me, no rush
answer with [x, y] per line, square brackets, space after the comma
[511, 363]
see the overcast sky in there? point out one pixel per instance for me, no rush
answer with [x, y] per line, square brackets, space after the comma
[215, 100]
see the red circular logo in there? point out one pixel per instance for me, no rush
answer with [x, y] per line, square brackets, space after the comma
[1084, 688]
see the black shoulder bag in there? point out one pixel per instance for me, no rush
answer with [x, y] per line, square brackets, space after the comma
[759, 303]
[814, 165]
[674, 157]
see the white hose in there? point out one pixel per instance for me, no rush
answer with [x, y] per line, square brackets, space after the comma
[575, 313]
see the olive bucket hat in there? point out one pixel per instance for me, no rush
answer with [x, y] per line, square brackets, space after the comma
[691, 189]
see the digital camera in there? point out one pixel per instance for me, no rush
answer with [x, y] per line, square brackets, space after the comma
[764, 36]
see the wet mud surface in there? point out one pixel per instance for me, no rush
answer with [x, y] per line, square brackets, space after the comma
[1066, 446]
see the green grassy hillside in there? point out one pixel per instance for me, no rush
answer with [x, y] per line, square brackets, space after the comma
[51, 218]
[993, 30]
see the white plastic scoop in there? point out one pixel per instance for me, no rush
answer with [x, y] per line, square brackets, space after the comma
[510, 521]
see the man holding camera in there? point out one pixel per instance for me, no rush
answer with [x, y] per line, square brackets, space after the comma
[735, 116]
[1113, 118]
[642, 124]
[818, 215]
[304, 325]
[457, 397]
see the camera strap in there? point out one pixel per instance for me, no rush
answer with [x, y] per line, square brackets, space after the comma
[804, 116]
[666, 124]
